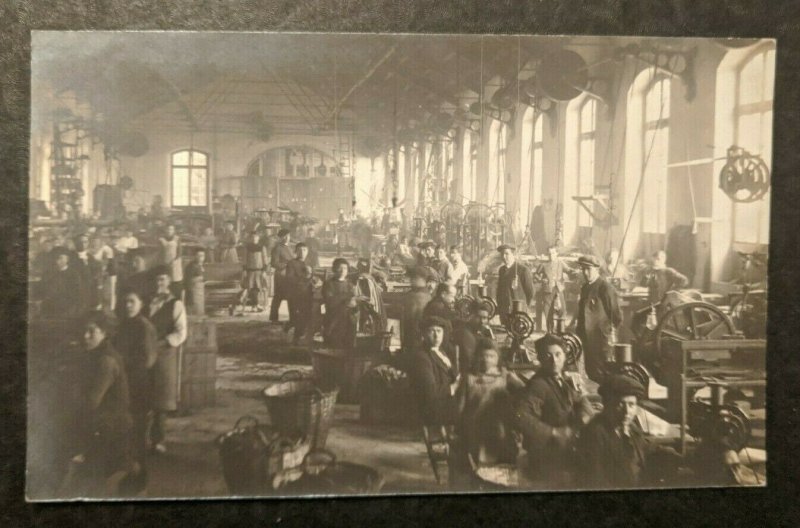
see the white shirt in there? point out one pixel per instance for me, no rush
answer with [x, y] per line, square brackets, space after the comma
[125, 243]
[461, 274]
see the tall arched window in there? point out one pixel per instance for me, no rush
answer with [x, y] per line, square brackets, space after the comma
[498, 144]
[587, 132]
[189, 177]
[655, 149]
[753, 131]
[466, 166]
[531, 173]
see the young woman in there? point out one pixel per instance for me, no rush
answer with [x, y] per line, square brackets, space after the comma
[106, 422]
[485, 408]
[136, 343]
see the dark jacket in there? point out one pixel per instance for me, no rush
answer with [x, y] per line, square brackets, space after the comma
[414, 303]
[438, 308]
[508, 291]
[280, 258]
[465, 337]
[659, 281]
[607, 460]
[430, 380]
[598, 312]
[60, 299]
[542, 406]
[136, 343]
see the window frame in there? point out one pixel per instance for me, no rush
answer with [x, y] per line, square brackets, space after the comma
[190, 167]
[659, 125]
[584, 137]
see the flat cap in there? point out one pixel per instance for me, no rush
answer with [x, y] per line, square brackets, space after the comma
[425, 244]
[589, 261]
[504, 247]
[619, 386]
[283, 232]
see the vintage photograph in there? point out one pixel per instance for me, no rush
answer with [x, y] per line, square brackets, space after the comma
[298, 264]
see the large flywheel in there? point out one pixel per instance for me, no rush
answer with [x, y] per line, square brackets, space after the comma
[691, 321]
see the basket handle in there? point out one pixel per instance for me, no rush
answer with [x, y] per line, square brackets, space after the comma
[319, 451]
[293, 372]
[245, 417]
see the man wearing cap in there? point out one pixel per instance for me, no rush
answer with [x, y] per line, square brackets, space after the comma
[550, 296]
[514, 283]
[612, 450]
[550, 412]
[434, 375]
[660, 278]
[282, 254]
[443, 266]
[598, 314]
[90, 271]
[299, 275]
[414, 303]
[58, 287]
[442, 303]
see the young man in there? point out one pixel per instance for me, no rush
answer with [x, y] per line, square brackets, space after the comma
[426, 254]
[434, 375]
[210, 243]
[550, 412]
[58, 287]
[443, 266]
[339, 296]
[550, 296]
[227, 244]
[612, 450]
[442, 304]
[460, 271]
[466, 336]
[299, 277]
[194, 277]
[281, 256]
[254, 263]
[90, 272]
[171, 250]
[514, 282]
[598, 315]
[660, 278]
[168, 315]
[414, 302]
[313, 248]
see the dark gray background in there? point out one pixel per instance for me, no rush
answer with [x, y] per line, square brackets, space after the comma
[774, 506]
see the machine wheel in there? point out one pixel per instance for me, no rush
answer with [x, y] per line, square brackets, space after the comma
[690, 322]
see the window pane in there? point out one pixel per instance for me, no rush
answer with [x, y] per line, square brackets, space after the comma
[180, 158]
[199, 186]
[180, 187]
[769, 75]
[585, 180]
[537, 130]
[749, 133]
[751, 80]
[766, 137]
[536, 177]
[747, 218]
[587, 124]
[657, 96]
[198, 158]
[654, 188]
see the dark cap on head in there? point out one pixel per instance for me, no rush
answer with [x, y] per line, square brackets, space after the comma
[283, 232]
[426, 244]
[589, 261]
[619, 386]
[504, 247]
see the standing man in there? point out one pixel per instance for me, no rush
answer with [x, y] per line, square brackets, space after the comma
[598, 315]
[281, 256]
[313, 248]
[467, 335]
[444, 267]
[339, 295]
[194, 277]
[660, 278]
[253, 277]
[550, 412]
[460, 271]
[300, 293]
[414, 302]
[90, 272]
[514, 282]
[227, 245]
[209, 242]
[58, 287]
[168, 315]
[550, 296]
[171, 257]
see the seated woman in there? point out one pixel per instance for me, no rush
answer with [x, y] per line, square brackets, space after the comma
[434, 375]
[106, 422]
[339, 296]
[486, 414]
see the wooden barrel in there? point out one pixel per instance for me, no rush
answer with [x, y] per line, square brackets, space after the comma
[199, 364]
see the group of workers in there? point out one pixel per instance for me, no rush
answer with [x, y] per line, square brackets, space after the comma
[455, 366]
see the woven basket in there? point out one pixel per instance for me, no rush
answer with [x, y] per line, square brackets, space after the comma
[300, 407]
[252, 454]
[321, 474]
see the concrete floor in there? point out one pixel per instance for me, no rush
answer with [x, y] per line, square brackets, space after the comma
[191, 467]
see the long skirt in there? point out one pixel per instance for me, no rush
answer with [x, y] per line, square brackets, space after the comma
[229, 256]
[166, 379]
[196, 296]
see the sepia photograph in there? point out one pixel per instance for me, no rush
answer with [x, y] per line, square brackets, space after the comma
[303, 264]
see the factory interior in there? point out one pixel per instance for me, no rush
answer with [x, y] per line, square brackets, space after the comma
[509, 263]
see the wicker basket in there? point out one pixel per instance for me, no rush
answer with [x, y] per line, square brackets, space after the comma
[300, 407]
[322, 474]
[252, 454]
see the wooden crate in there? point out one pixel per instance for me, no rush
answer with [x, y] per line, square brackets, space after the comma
[201, 333]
